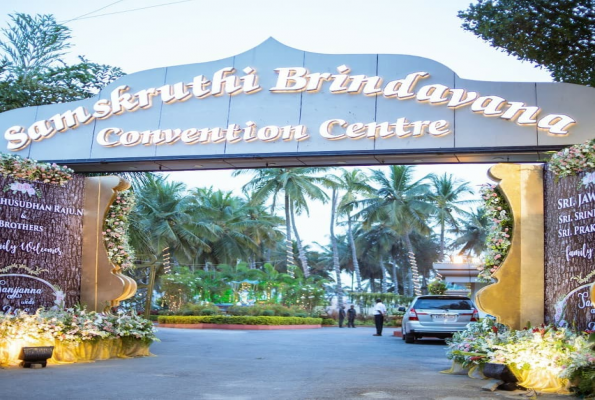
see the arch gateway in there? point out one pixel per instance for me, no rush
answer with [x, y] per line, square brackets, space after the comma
[276, 106]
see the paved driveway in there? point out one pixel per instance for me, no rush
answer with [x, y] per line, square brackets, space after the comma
[328, 363]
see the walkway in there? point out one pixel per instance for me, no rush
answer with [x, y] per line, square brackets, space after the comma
[328, 363]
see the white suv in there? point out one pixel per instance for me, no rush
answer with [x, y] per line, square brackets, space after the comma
[437, 316]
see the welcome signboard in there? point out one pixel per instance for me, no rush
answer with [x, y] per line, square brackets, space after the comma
[570, 249]
[40, 244]
[276, 102]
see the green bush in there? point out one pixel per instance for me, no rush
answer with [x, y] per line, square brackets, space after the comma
[267, 310]
[198, 309]
[437, 287]
[239, 320]
[329, 321]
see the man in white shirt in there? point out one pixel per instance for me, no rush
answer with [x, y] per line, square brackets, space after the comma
[379, 314]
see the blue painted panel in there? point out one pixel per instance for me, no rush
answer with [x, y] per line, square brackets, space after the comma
[477, 130]
[20, 117]
[468, 130]
[199, 113]
[64, 143]
[576, 101]
[264, 107]
[321, 106]
[391, 68]
[139, 120]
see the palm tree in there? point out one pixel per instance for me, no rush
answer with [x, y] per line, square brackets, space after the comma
[225, 214]
[297, 185]
[161, 220]
[378, 246]
[401, 203]
[354, 183]
[473, 235]
[336, 266]
[263, 228]
[446, 192]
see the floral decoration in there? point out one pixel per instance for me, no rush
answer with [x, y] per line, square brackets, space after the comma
[544, 352]
[26, 188]
[498, 239]
[471, 346]
[27, 169]
[115, 230]
[573, 160]
[75, 325]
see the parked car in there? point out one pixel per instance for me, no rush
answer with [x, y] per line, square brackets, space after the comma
[437, 316]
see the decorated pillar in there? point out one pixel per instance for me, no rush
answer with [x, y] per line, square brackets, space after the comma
[103, 285]
[517, 297]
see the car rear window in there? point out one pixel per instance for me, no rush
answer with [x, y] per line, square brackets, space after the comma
[443, 304]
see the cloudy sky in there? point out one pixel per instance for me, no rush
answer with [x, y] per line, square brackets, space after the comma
[142, 34]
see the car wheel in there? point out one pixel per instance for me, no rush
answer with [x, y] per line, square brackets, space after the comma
[409, 338]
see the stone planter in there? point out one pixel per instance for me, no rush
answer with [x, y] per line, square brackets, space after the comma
[500, 372]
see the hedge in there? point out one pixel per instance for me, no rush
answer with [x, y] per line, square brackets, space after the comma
[237, 320]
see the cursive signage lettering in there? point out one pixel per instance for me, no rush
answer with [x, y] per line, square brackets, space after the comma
[290, 80]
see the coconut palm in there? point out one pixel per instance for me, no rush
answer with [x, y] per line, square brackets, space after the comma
[446, 193]
[263, 228]
[298, 185]
[376, 246]
[401, 203]
[472, 237]
[161, 219]
[354, 183]
[226, 215]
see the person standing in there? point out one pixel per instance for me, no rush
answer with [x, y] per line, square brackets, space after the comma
[351, 317]
[379, 314]
[341, 316]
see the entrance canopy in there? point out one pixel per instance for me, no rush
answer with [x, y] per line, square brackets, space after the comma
[279, 106]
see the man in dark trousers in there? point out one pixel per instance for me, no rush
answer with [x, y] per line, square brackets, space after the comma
[351, 317]
[379, 313]
[341, 316]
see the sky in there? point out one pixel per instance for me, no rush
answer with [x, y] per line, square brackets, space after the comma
[137, 35]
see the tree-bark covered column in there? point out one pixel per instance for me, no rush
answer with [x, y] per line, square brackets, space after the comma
[102, 284]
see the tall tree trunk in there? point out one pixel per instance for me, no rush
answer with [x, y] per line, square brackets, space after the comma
[394, 276]
[383, 282]
[404, 279]
[336, 264]
[441, 240]
[358, 275]
[267, 252]
[288, 242]
[413, 262]
[301, 252]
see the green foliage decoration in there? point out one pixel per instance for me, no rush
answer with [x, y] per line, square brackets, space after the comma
[115, 230]
[437, 287]
[369, 299]
[19, 168]
[573, 160]
[238, 320]
[498, 240]
[267, 310]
